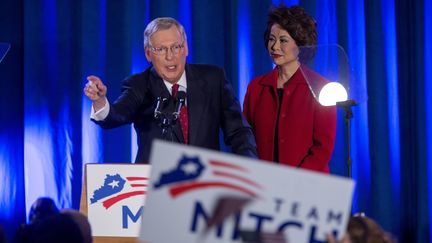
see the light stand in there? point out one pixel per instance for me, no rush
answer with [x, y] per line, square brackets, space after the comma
[347, 107]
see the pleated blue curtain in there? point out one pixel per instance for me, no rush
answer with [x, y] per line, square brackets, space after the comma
[12, 196]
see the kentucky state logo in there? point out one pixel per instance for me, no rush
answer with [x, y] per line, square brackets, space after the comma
[188, 175]
[117, 188]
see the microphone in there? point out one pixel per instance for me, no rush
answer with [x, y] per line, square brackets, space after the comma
[159, 105]
[181, 100]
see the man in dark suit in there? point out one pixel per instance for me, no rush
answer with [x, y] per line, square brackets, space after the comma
[210, 103]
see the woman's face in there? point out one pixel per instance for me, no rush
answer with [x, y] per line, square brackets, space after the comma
[282, 47]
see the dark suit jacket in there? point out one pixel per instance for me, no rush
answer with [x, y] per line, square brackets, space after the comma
[211, 105]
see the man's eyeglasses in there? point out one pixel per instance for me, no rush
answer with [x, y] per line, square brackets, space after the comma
[163, 50]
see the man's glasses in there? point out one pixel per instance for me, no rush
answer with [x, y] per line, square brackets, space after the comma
[163, 50]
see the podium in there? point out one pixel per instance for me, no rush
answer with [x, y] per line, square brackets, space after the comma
[111, 188]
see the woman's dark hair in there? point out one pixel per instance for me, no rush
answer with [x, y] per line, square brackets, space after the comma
[299, 24]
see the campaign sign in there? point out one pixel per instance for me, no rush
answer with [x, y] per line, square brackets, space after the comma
[115, 198]
[187, 183]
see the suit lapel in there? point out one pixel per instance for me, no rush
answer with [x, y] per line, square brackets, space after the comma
[196, 101]
[158, 87]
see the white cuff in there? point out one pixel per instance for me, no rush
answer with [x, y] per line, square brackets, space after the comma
[102, 113]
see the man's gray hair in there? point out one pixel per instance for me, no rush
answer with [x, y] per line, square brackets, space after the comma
[161, 24]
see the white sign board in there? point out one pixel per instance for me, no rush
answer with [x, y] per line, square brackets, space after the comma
[115, 198]
[186, 182]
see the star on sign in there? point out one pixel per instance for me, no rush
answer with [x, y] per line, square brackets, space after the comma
[113, 184]
[189, 168]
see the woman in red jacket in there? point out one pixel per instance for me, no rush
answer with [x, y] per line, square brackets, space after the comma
[290, 126]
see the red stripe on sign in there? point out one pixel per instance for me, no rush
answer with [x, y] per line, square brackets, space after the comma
[240, 178]
[180, 189]
[138, 185]
[108, 203]
[227, 165]
[134, 178]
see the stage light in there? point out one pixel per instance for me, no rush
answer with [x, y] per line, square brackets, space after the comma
[331, 93]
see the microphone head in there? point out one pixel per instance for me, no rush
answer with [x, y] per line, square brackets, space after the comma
[181, 95]
[180, 102]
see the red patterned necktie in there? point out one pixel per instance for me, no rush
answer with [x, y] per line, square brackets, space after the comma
[184, 124]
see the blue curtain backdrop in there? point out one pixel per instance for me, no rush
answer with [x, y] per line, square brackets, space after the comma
[46, 137]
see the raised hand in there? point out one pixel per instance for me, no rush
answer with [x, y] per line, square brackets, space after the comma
[96, 91]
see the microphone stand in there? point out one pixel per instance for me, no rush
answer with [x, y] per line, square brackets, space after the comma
[347, 107]
[164, 120]
[166, 123]
[167, 120]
